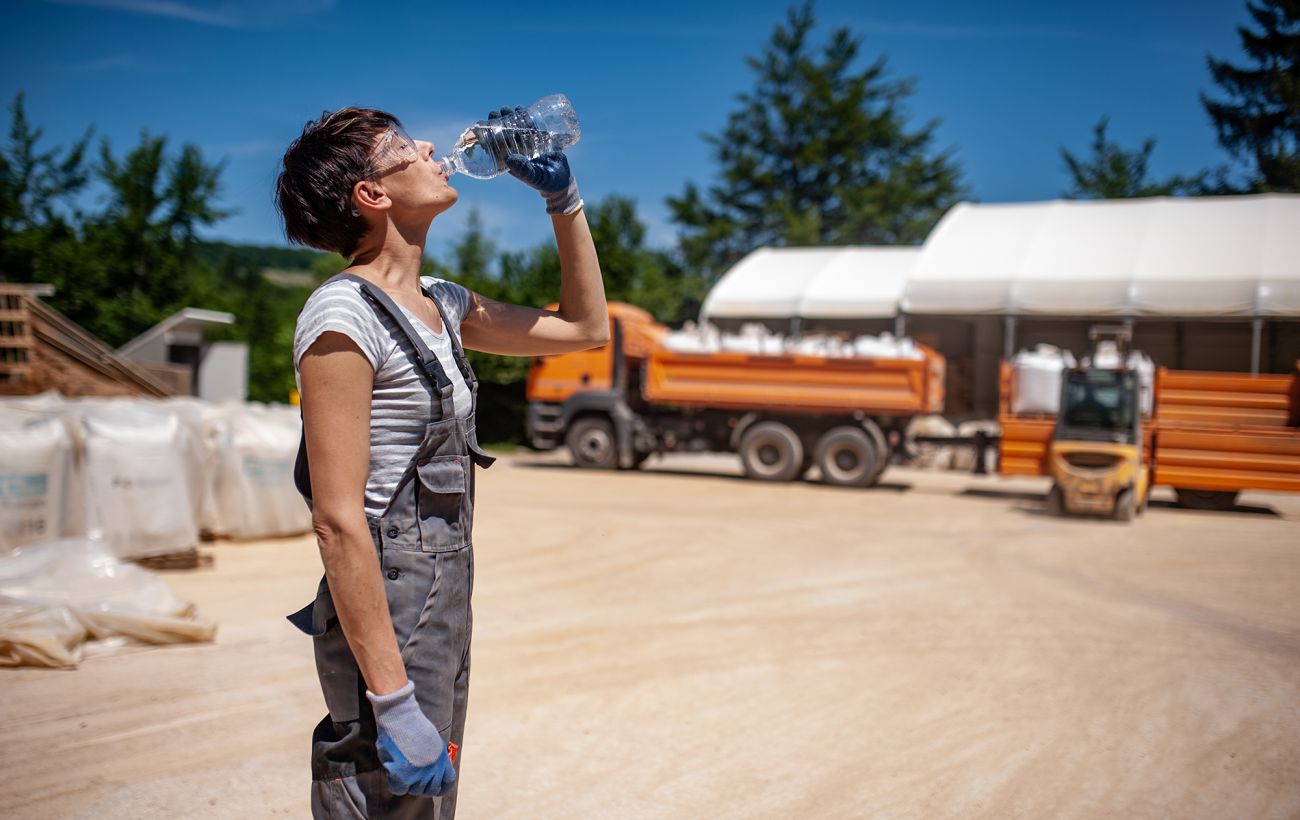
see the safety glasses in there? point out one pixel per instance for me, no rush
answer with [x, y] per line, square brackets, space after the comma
[394, 149]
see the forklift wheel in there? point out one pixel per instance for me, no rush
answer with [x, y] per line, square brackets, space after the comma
[1125, 506]
[1055, 501]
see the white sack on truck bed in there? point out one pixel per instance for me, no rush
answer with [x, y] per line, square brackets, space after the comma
[57, 595]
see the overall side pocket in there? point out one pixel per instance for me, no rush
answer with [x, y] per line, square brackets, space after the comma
[443, 485]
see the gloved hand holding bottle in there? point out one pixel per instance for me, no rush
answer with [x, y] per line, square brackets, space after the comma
[527, 142]
[413, 753]
[512, 134]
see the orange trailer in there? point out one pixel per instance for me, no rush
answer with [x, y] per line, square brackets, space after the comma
[616, 405]
[1210, 435]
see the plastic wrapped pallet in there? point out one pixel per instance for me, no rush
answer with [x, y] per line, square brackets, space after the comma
[34, 470]
[934, 456]
[1037, 373]
[57, 595]
[141, 479]
[254, 489]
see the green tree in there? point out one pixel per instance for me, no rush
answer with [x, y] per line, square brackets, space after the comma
[1259, 123]
[38, 198]
[818, 153]
[141, 263]
[1115, 173]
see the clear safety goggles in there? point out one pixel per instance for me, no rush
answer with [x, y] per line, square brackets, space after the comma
[394, 149]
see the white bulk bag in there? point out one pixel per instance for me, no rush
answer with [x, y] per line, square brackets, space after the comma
[255, 493]
[35, 460]
[1036, 379]
[1146, 370]
[141, 478]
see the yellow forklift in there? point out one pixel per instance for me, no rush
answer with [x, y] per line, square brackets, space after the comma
[1096, 456]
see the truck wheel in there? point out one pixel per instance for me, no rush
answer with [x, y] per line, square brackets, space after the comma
[847, 457]
[883, 452]
[771, 451]
[591, 442]
[1055, 501]
[1205, 499]
[1125, 505]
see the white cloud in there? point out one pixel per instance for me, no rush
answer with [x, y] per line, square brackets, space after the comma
[227, 14]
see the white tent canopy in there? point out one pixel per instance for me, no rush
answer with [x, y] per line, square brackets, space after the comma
[1159, 256]
[812, 283]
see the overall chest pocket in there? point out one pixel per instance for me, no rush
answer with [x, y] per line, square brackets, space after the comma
[442, 502]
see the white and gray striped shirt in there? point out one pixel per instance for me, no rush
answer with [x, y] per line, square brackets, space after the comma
[401, 402]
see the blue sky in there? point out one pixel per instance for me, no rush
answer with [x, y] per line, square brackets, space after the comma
[1010, 83]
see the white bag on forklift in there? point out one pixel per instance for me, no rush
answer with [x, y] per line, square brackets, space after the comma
[1036, 380]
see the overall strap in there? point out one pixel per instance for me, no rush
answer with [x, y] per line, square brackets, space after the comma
[457, 352]
[425, 358]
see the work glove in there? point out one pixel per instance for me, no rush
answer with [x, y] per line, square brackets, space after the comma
[549, 173]
[414, 755]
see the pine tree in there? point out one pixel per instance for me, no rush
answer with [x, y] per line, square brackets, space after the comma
[818, 153]
[1259, 123]
[1114, 173]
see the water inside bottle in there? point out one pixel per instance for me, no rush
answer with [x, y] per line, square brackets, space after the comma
[480, 161]
[550, 124]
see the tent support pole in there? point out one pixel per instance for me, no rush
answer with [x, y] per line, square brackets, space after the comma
[795, 324]
[900, 326]
[1256, 332]
[1008, 337]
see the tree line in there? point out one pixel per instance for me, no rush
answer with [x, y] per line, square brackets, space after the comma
[820, 151]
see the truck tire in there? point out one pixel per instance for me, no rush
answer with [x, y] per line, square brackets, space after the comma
[883, 452]
[591, 443]
[1205, 499]
[771, 451]
[847, 457]
[1125, 505]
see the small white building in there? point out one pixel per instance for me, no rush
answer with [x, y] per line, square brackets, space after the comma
[177, 351]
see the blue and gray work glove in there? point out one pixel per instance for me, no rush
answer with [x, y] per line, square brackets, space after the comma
[549, 174]
[413, 753]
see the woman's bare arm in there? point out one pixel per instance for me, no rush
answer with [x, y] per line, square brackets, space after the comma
[336, 385]
[580, 322]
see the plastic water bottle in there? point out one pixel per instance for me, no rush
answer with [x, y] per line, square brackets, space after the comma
[550, 124]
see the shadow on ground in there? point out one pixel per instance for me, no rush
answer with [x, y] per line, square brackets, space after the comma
[669, 472]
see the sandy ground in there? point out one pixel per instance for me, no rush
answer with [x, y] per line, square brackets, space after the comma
[680, 643]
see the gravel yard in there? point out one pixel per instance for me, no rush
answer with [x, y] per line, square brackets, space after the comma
[682, 643]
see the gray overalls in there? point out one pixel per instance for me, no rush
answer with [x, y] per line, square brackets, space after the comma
[425, 553]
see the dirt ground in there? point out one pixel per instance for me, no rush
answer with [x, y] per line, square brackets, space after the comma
[680, 643]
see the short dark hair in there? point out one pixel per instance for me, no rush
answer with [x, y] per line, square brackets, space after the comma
[314, 190]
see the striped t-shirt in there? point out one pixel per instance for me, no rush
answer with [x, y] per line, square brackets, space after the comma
[401, 403]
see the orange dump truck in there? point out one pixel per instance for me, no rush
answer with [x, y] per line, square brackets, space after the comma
[615, 405]
[1209, 436]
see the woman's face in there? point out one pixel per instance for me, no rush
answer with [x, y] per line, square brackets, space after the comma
[414, 181]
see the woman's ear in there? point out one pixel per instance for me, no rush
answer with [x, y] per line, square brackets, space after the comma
[366, 194]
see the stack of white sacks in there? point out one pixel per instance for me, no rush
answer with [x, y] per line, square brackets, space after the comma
[146, 476]
[756, 339]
